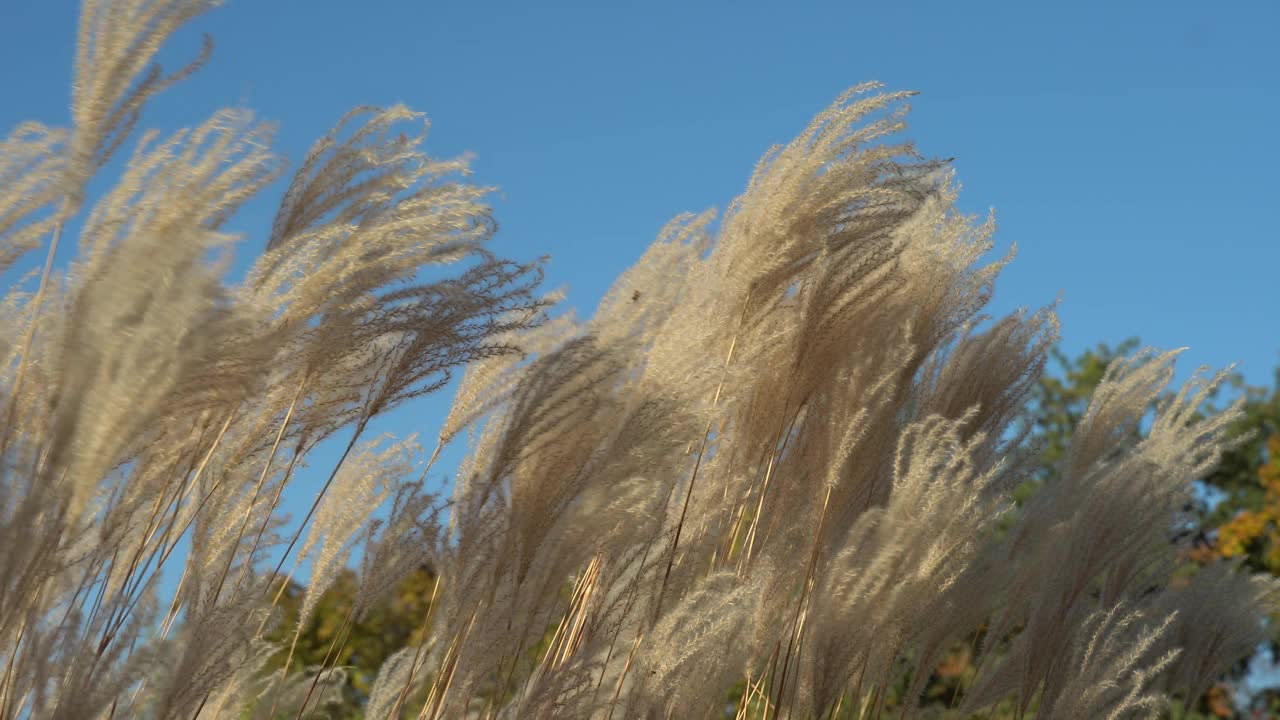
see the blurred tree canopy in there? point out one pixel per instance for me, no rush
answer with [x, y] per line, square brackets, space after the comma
[1246, 520]
[360, 647]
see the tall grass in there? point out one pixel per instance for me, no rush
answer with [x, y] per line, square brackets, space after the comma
[778, 457]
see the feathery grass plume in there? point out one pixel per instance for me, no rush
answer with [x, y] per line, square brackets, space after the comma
[245, 686]
[117, 39]
[1106, 523]
[700, 644]
[1111, 666]
[154, 413]
[364, 481]
[487, 382]
[66, 678]
[829, 391]
[115, 76]
[393, 676]
[207, 657]
[286, 699]
[549, 439]
[1216, 624]
[32, 168]
[992, 372]
[779, 455]
[364, 212]
[141, 322]
[893, 577]
[141, 319]
[408, 539]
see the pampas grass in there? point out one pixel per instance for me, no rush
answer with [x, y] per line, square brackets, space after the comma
[779, 456]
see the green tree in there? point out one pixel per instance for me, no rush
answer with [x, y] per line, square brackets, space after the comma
[1243, 522]
[1246, 519]
[333, 638]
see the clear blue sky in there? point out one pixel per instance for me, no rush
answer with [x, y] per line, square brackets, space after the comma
[1130, 151]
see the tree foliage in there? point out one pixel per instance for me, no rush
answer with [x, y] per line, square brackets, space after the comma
[1247, 482]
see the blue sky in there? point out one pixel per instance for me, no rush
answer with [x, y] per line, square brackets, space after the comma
[1130, 151]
